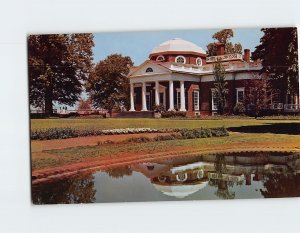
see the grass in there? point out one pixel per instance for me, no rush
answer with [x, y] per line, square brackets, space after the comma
[242, 139]
[112, 123]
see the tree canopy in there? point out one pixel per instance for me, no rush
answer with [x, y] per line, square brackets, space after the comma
[278, 51]
[58, 65]
[224, 37]
[108, 85]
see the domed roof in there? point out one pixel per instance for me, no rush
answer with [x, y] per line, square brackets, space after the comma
[180, 191]
[177, 45]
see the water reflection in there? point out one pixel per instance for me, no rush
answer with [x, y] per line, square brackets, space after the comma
[78, 189]
[226, 176]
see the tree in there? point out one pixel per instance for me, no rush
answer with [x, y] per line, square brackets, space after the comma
[258, 96]
[58, 65]
[278, 51]
[84, 104]
[108, 84]
[220, 86]
[224, 37]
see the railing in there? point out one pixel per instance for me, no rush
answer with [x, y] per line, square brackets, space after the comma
[226, 57]
[292, 107]
[209, 68]
[276, 106]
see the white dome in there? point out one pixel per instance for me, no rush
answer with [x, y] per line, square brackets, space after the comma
[180, 191]
[177, 45]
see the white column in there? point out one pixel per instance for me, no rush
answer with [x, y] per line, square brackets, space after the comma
[156, 92]
[182, 97]
[171, 96]
[144, 105]
[131, 98]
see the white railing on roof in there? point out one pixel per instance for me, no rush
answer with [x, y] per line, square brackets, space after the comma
[209, 68]
[225, 57]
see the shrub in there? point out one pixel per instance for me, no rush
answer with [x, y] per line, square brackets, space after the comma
[62, 133]
[159, 108]
[219, 132]
[138, 139]
[171, 114]
[203, 133]
[239, 109]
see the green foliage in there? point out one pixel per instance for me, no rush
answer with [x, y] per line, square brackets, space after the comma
[63, 133]
[220, 86]
[173, 114]
[278, 51]
[108, 85]
[159, 108]
[258, 96]
[239, 109]
[224, 37]
[58, 64]
[203, 132]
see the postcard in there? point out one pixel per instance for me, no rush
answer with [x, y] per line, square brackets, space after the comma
[164, 115]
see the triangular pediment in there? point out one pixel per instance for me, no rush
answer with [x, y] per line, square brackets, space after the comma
[154, 67]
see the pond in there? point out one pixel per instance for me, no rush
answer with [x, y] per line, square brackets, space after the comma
[223, 176]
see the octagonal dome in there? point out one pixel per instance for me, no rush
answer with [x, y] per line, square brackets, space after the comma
[177, 45]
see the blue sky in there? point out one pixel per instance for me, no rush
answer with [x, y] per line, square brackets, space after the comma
[138, 45]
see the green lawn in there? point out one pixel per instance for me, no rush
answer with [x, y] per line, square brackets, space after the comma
[83, 123]
[247, 134]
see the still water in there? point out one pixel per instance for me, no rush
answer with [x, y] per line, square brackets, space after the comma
[222, 176]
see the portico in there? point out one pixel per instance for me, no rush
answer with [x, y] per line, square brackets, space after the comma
[159, 90]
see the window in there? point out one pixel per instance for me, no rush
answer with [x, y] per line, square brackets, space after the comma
[199, 61]
[160, 58]
[181, 177]
[196, 100]
[240, 95]
[149, 69]
[180, 59]
[214, 100]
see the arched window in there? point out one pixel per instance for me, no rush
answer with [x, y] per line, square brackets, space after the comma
[200, 174]
[275, 96]
[149, 69]
[160, 58]
[181, 177]
[180, 59]
[199, 61]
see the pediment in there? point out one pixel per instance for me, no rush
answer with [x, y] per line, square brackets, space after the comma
[154, 66]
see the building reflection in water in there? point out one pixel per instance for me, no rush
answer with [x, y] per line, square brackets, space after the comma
[181, 177]
[277, 173]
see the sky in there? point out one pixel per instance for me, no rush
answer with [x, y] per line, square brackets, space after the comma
[138, 45]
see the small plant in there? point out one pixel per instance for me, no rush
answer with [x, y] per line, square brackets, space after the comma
[239, 109]
[159, 108]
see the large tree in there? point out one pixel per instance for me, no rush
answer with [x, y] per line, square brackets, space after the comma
[58, 65]
[258, 95]
[224, 37]
[108, 85]
[278, 51]
[220, 86]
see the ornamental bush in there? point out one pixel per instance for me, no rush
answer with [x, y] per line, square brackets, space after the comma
[62, 133]
[239, 109]
[171, 114]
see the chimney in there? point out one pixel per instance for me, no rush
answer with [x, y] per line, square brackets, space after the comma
[220, 49]
[247, 55]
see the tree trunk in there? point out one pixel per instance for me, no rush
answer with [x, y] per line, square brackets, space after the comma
[48, 102]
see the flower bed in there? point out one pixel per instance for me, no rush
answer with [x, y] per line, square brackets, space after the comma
[63, 133]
